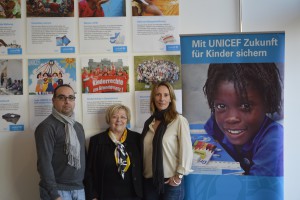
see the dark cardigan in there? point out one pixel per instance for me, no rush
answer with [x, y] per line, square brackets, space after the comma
[98, 148]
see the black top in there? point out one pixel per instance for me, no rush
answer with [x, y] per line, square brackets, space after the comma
[102, 178]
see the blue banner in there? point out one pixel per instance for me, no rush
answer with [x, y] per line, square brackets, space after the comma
[223, 75]
[232, 48]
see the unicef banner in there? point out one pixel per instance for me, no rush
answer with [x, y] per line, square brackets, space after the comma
[232, 48]
[233, 98]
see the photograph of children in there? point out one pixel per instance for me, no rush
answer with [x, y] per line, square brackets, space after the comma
[102, 8]
[153, 69]
[155, 7]
[50, 8]
[240, 105]
[10, 8]
[46, 74]
[11, 77]
[105, 75]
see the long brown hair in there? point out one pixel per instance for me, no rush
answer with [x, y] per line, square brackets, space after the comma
[171, 112]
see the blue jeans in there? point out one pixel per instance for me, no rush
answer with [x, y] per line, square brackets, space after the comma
[170, 192]
[72, 194]
[65, 195]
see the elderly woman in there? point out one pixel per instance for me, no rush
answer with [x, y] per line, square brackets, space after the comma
[114, 165]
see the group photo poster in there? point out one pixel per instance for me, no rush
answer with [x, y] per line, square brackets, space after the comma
[233, 98]
[152, 69]
[12, 107]
[155, 24]
[103, 29]
[105, 81]
[44, 75]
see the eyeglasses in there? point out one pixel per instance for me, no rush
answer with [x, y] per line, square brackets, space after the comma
[115, 117]
[62, 97]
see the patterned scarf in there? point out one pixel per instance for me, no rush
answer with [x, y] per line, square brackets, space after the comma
[121, 156]
[72, 144]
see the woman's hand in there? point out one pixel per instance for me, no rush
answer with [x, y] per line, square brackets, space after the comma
[173, 181]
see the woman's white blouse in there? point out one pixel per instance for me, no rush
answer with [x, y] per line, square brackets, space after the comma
[177, 149]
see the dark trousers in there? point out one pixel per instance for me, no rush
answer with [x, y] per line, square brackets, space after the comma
[170, 192]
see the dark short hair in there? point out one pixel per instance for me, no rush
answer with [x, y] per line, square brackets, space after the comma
[59, 86]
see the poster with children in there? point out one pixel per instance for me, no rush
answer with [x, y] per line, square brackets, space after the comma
[11, 36]
[11, 26]
[233, 91]
[44, 75]
[102, 26]
[12, 103]
[103, 35]
[51, 35]
[152, 69]
[105, 75]
[155, 24]
[105, 81]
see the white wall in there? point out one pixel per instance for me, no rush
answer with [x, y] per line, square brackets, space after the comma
[18, 176]
[283, 15]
